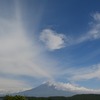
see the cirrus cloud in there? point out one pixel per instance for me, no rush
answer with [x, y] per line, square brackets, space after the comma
[20, 55]
[54, 40]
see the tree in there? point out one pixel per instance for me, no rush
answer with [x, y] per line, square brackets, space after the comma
[8, 97]
[17, 97]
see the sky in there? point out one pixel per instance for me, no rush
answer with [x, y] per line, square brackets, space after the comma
[49, 40]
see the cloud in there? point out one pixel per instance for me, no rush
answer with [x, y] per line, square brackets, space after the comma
[52, 39]
[86, 73]
[20, 55]
[83, 73]
[93, 33]
[89, 72]
[96, 16]
[17, 54]
[72, 87]
[8, 85]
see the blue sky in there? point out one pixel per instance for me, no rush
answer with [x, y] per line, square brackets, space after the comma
[56, 40]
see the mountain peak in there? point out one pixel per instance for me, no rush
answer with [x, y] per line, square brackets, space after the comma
[49, 83]
[49, 88]
[59, 85]
[70, 87]
[52, 88]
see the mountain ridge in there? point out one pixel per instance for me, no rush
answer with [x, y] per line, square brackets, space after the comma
[52, 88]
[46, 89]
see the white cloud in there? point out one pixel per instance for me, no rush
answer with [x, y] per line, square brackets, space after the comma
[12, 85]
[72, 87]
[52, 39]
[19, 55]
[86, 73]
[93, 33]
[83, 73]
[96, 16]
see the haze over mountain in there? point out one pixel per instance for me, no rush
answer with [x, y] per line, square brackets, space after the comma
[47, 89]
[56, 89]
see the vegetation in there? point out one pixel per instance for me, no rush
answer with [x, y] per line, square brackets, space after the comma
[14, 97]
[76, 97]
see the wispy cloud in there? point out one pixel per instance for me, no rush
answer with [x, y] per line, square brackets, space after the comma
[93, 71]
[94, 32]
[96, 16]
[19, 55]
[52, 39]
[72, 87]
[86, 73]
[83, 73]
[8, 85]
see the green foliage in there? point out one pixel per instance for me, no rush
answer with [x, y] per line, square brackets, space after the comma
[7, 97]
[14, 97]
[76, 97]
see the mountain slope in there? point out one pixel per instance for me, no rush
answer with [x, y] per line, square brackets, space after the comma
[46, 90]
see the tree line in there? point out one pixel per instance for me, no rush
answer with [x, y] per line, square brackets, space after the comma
[76, 97]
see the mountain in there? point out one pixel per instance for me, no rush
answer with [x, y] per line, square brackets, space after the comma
[57, 89]
[46, 90]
